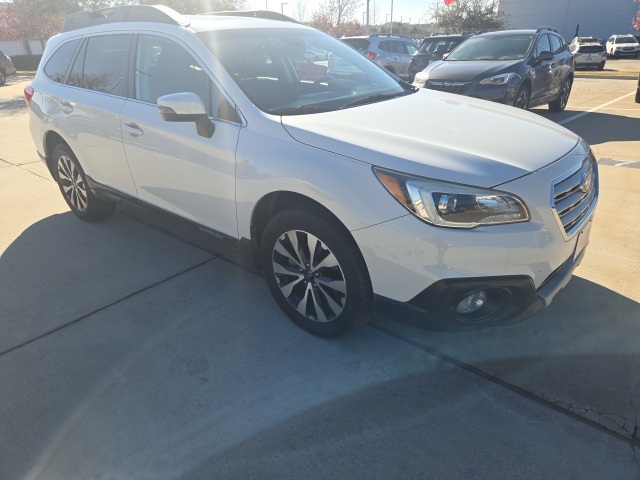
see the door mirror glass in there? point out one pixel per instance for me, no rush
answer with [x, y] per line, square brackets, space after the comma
[545, 56]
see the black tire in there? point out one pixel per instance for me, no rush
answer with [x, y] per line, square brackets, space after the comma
[326, 292]
[560, 103]
[522, 98]
[3, 78]
[73, 186]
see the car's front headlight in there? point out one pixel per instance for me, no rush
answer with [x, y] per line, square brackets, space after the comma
[421, 78]
[452, 205]
[503, 79]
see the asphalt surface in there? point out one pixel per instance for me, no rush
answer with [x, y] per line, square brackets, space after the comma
[128, 354]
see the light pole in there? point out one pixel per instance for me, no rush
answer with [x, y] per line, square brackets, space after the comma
[282, 7]
[386, 20]
[391, 32]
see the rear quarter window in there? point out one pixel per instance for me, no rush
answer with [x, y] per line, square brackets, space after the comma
[57, 66]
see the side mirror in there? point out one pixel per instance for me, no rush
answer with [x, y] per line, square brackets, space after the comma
[546, 56]
[186, 107]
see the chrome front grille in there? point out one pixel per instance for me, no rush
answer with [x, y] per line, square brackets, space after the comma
[451, 87]
[575, 194]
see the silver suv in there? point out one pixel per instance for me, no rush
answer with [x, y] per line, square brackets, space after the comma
[392, 53]
[327, 186]
[6, 67]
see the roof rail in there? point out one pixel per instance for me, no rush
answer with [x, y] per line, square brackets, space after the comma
[124, 13]
[266, 14]
[548, 29]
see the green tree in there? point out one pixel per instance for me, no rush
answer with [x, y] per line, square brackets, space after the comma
[469, 16]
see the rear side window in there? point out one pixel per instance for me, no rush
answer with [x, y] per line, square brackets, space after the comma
[57, 66]
[385, 46]
[105, 64]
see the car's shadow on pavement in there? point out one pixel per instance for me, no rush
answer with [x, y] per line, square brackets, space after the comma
[581, 353]
[179, 363]
[619, 128]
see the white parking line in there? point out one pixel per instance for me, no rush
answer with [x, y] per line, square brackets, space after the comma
[621, 164]
[594, 109]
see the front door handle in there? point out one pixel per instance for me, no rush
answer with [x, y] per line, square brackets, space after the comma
[133, 129]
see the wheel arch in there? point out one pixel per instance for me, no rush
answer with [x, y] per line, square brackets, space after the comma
[51, 139]
[273, 203]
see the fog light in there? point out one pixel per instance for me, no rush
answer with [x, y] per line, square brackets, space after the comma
[472, 303]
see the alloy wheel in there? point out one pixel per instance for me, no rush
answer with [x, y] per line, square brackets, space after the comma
[72, 183]
[564, 96]
[309, 276]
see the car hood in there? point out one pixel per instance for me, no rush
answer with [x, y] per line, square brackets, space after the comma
[438, 135]
[467, 71]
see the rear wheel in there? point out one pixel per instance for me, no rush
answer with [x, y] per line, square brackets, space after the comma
[316, 272]
[73, 185]
[560, 103]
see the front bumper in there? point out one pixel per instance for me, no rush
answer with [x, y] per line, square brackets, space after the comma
[510, 299]
[520, 266]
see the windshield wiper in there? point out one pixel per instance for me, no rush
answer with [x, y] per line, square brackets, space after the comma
[378, 97]
[299, 110]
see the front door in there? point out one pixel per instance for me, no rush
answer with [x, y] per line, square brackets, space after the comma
[174, 168]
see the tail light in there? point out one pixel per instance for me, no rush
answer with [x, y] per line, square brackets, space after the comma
[371, 55]
[28, 93]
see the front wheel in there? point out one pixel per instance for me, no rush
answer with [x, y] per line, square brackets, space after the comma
[560, 103]
[73, 185]
[316, 272]
[522, 98]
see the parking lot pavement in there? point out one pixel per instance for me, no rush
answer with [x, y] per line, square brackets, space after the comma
[604, 112]
[126, 353]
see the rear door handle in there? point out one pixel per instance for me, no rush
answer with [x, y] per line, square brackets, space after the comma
[133, 129]
[66, 107]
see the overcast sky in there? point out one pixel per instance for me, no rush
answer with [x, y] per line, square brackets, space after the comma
[407, 9]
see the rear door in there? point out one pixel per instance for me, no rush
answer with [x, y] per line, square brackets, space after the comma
[175, 168]
[87, 106]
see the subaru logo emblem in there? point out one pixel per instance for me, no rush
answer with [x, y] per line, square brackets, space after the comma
[586, 181]
[447, 84]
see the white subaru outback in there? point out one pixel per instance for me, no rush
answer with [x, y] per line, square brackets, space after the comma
[338, 188]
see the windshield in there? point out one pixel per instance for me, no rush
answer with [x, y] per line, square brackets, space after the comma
[493, 47]
[439, 47]
[270, 66]
[626, 40]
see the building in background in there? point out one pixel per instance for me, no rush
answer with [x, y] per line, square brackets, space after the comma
[597, 18]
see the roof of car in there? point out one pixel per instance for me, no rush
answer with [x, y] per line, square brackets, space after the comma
[158, 14]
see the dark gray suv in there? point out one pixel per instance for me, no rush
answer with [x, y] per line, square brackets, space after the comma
[6, 67]
[523, 68]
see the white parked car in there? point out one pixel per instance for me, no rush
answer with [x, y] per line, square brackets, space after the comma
[623, 45]
[588, 55]
[330, 188]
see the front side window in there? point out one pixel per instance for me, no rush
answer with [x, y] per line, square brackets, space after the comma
[556, 44]
[57, 66]
[163, 67]
[105, 64]
[543, 45]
